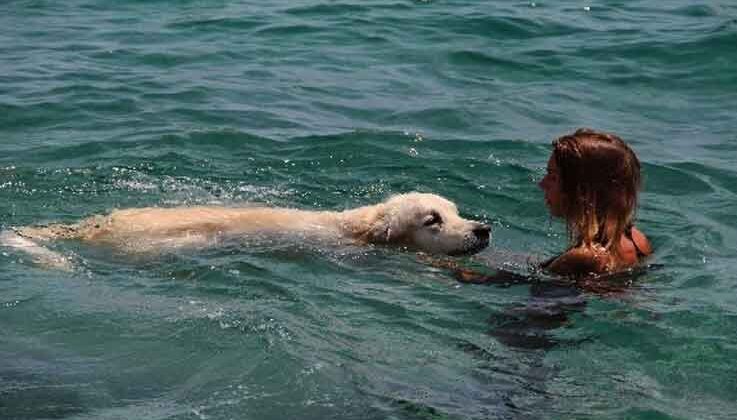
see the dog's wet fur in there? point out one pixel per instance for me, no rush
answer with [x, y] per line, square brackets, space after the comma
[417, 221]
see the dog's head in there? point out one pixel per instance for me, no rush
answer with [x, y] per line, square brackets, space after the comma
[427, 222]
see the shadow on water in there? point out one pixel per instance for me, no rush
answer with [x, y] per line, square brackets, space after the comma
[531, 328]
[527, 326]
[552, 303]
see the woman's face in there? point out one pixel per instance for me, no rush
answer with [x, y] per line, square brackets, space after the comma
[550, 184]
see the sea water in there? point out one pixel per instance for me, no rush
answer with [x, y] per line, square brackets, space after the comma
[334, 104]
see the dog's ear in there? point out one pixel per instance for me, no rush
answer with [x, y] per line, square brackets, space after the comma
[379, 226]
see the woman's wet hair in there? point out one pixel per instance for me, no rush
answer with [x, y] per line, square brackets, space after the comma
[599, 183]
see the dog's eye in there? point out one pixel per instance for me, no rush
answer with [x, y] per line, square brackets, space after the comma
[432, 219]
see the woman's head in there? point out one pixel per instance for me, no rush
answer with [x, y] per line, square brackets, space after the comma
[592, 182]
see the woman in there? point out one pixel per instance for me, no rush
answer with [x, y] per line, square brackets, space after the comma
[592, 182]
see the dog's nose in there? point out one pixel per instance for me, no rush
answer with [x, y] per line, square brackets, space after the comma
[482, 231]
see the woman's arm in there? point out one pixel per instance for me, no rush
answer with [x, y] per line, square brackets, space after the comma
[499, 277]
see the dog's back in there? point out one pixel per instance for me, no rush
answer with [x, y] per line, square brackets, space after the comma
[144, 230]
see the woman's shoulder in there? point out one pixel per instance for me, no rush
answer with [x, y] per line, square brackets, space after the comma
[634, 246]
[581, 260]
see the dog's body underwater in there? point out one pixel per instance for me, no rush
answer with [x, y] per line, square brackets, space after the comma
[425, 222]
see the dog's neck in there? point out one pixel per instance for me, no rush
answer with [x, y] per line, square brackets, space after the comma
[362, 223]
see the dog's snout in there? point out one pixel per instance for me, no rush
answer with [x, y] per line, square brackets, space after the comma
[482, 231]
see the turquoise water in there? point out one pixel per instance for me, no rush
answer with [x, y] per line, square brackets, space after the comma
[328, 105]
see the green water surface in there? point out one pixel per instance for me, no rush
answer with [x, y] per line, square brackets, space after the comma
[329, 105]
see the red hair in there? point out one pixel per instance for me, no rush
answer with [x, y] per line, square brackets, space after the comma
[599, 182]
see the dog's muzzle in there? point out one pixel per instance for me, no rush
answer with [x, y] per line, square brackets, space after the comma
[482, 232]
[478, 240]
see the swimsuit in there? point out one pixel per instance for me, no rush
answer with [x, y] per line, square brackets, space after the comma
[628, 235]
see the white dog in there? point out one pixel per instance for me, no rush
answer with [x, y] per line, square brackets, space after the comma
[424, 222]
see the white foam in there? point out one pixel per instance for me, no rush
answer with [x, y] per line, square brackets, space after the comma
[40, 254]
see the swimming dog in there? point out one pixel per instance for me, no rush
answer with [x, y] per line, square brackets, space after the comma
[418, 221]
